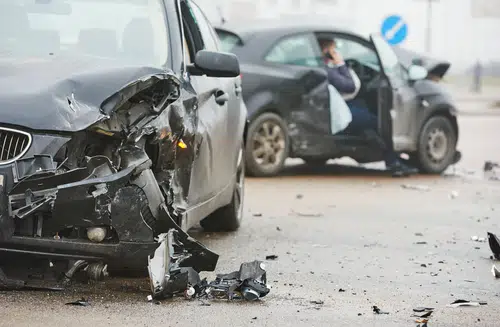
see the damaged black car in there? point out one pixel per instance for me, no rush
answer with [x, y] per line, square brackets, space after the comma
[120, 122]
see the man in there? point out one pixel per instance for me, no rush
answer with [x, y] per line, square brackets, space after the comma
[363, 121]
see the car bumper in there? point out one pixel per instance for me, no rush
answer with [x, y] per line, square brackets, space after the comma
[49, 215]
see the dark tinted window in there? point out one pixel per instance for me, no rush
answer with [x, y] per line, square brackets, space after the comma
[300, 50]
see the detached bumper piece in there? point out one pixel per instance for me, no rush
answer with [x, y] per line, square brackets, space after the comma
[177, 261]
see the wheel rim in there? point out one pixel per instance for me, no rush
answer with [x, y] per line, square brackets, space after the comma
[437, 145]
[268, 146]
[240, 186]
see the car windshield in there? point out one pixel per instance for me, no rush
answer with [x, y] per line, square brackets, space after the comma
[130, 30]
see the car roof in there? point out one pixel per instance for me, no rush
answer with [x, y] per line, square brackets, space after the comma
[292, 25]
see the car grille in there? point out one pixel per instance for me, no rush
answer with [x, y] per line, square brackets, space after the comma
[13, 144]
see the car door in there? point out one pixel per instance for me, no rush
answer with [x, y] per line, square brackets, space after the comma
[305, 96]
[212, 165]
[398, 100]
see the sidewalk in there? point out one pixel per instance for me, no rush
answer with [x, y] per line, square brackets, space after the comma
[469, 103]
[489, 93]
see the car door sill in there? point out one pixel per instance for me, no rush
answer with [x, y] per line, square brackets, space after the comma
[195, 214]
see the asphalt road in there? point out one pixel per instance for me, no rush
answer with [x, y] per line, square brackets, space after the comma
[339, 228]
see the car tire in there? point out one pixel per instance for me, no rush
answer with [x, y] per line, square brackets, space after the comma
[267, 145]
[229, 217]
[436, 145]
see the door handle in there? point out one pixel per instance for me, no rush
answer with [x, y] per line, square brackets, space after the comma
[221, 97]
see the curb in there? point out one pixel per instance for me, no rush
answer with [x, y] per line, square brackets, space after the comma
[491, 112]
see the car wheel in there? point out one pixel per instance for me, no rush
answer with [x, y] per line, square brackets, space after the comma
[266, 148]
[228, 218]
[436, 145]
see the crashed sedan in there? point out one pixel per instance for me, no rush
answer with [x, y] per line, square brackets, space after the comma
[290, 107]
[118, 133]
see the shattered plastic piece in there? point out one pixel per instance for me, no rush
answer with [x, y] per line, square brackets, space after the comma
[423, 188]
[422, 309]
[190, 292]
[307, 214]
[341, 290]
[377, 310]
[176, 263]
[150, 298]
[82, 302]
[258, 214]
[464, 303]
[271, 257]
[421, 243]
[426, 314]
[494, 243]
[248, 283]
[490, 165]
[495, 272]
[318, 302]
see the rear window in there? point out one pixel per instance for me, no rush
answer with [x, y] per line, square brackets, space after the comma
[228, 40]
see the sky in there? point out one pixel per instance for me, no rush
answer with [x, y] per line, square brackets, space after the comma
[460, 30]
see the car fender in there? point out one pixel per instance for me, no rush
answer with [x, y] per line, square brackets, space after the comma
[259, 103]
[437, 104]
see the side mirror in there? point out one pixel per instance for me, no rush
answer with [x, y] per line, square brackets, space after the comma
[416, 73]
[215, 64]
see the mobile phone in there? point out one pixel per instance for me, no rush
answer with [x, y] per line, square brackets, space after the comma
[328, 55]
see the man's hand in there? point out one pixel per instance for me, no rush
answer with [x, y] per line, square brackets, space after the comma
[337, 58]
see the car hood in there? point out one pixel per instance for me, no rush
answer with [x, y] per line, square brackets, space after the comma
[434, 66]
[64, 94]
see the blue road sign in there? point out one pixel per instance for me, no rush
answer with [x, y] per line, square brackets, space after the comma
[394, 29]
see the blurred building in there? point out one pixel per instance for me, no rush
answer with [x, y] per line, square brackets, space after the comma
[462, 31]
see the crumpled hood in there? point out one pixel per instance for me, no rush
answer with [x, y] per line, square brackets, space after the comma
[434, 66]
[62, 93]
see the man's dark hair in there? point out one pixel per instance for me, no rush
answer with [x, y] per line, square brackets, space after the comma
[325, 43]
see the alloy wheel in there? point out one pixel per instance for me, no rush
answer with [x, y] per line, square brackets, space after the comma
[268, 145]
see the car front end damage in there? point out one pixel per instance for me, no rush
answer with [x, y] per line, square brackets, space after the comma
[99, 191]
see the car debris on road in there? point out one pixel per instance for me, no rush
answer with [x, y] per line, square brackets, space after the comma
[495, 272]
[465, 303]
[82, 302]
[494, 244]
[491, 170]
[177, 261]
[377, 310]
[423, 188]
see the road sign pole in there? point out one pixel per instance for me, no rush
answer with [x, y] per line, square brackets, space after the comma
[428, 35]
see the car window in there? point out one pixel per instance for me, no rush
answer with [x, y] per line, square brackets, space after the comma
[228, 41]
[351, 49]
[209, 37]
[298, 50]
[92, 27]
[388, 57]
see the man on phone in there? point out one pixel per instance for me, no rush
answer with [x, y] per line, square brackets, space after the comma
[363, 121]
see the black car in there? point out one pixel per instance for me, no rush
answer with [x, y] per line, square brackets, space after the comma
[120, 121]
[285, 89]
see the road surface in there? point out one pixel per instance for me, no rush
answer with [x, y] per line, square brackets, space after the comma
[339, 228]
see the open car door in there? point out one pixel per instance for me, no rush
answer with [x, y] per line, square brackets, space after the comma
[397, 99]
